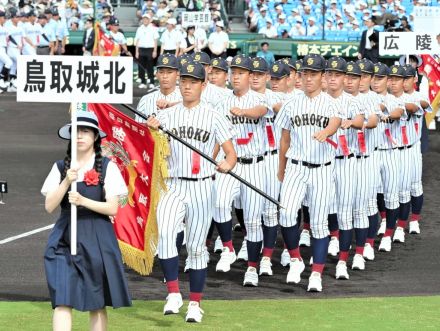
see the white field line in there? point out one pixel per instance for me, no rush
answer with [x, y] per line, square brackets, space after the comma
[26, 234]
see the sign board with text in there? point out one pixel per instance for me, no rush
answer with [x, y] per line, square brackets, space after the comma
[196, 18]
[426, 18]
[400, 43]
[93, 79]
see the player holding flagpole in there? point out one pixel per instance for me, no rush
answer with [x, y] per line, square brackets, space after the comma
[190, 186]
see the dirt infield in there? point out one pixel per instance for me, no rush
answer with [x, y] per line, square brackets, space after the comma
[28, 147]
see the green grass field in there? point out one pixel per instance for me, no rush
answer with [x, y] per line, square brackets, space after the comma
[397, 313]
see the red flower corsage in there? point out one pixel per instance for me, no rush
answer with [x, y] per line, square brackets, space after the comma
[91, 177]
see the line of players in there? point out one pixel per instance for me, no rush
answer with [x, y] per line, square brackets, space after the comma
[338, 142]
[27, 34]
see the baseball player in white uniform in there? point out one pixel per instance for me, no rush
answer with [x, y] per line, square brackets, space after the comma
[345, 160]
[362, 184]
[389, 161]
[189, 196]
[416, 121]
[15, 45]
[260, 76]
[371, 178]
[408, 160]
[5, 60]
[32, 30]
[306, 167]
[219, 73]
[245, 109]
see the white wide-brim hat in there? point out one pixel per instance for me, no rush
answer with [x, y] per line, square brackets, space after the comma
[83, 118]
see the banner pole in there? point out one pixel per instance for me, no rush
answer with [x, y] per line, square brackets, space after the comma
[73, 209]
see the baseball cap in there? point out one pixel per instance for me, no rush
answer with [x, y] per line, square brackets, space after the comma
[193, 69]
[2, 14]
[410, 71]
[220, 24]
[47, 11]
[289, 62]
[202, 58]
[397, 71]
[298, 65]
[90, 19]
[259, 65]
[366, 66]
[282, 17]
[299, 20]
[41, 17]
[263, 8]
[336, 63]
[219, 63]
[381, 69]
[55, 12]
[353, 69]
[172, 21]
[241, 61]
[168, 61]
[113, 21]
[279, 70]
[314, 62]
[184, 59]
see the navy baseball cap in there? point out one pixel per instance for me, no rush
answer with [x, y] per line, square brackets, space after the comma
[241, 61]
[336, 63]
[202, 58]
[42, 17]
[220, 63]
[397, 71]
[113, 21]
[313, 62]
[259, 65]
[353, 69]
[184, 59]
[298, 65]
[168, 61]
[2, 14]
[410, 71]
[367, 67]
[290, 63]
[279, 70]
[381, 69]
[194, 70]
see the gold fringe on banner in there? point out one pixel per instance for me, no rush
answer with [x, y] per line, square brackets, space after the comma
[138, 260]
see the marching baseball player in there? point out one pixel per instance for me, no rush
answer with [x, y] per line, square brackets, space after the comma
[245, 109]
[306, 167]
[416, 123]
[31, 34]
[362, 183]
[219, 73]
[15, 45]
[5, 60]
[261, 73]
[408, 136]
[211, 93]
[389, 161]
[189, 196]
[371, 102]
[298, 80]
[291, 90]
[345, 160]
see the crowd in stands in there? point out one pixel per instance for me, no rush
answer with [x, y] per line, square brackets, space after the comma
[340, 20]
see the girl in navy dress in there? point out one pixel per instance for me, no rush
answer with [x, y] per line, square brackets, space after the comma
[94, 278]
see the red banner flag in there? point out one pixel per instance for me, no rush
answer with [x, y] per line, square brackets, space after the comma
[431, 67]
[140, 156]
[104, 46]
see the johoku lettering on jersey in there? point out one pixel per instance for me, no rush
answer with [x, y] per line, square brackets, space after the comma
[303, 117]
[250, 136]
[147, 105]
[349, 107]
[202, 127]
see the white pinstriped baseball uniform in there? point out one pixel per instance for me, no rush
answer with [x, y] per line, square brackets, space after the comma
[345, 168]
[389, 165]
[188, 200]
[213, 94]
[249, 143]
[147, 105]
[304, 116]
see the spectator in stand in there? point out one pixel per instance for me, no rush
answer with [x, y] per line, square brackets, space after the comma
[85, 9]
[404, 25]
[298, 29]
[201, 39]
[329, 25]
[294, 14]
[340, 26]
[348, 6]
[355, 26]
[189, 43]
[145, 41]
[266, 54]
[279, 10]
[333, 10]
[282, 25]
[145, 7]
[269, 30]
[307, 12]
[88, 37]
[171, 38]
[218, 41]
[312, 29]
[105, 19]
[162, 10]
[262, 18]
[74, 26]
[189, 5]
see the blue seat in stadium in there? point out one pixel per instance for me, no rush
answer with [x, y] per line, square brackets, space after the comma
[354, 35]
